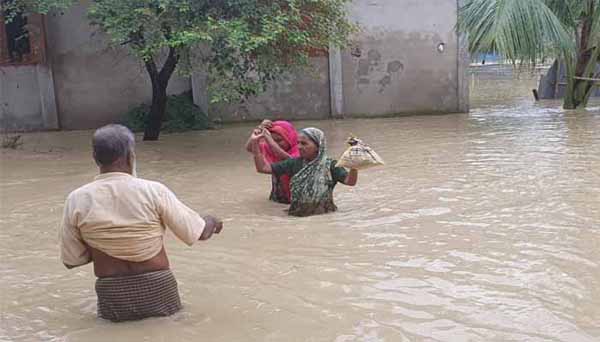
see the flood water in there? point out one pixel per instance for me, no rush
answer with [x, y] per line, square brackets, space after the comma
[481, 227]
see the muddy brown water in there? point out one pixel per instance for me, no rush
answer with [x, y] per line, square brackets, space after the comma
[481, 227]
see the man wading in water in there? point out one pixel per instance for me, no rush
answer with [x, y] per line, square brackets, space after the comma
[118, 222]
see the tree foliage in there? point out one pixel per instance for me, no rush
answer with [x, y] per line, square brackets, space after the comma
[36, 6]
[242, 43]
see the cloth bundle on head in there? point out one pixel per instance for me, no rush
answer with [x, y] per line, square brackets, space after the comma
[359, 156]
[287, 131]
[311, 186]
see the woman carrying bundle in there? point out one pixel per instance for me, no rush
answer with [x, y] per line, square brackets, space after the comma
[313, 175]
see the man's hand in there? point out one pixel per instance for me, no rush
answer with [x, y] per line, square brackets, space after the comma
[213, 226]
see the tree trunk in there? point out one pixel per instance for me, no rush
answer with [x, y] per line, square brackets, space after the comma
[160, 81]
[157, 111]
[579, 91]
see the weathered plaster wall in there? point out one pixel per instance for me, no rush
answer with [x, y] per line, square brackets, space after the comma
[297, 96]
[393, 67]
[396, 67]
[94, 83]
[18, 109]
[27, 98]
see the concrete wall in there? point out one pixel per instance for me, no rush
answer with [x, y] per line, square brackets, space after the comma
[393, 67]
[17, 110]
[27, 98]
[297, 96]
[94, 83]
[396, 67]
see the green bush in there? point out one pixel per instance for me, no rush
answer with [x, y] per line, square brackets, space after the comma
[182, 115]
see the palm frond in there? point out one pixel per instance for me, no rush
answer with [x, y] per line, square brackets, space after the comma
[519, 30]
[567, 11]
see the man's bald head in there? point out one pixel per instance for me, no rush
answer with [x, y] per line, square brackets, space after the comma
[113, 143]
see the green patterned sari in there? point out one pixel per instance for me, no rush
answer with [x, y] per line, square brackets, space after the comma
[312, 186]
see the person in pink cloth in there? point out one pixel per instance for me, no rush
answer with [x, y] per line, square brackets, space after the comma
[279, 142]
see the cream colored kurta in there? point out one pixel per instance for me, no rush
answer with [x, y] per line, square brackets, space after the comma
[124, 217]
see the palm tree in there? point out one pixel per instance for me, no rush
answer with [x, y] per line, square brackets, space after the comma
[524, 31]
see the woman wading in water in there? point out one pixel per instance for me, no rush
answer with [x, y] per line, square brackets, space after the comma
[313, 176]
[278, 142]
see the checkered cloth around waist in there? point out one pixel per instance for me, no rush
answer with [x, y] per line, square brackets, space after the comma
[139, 296]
